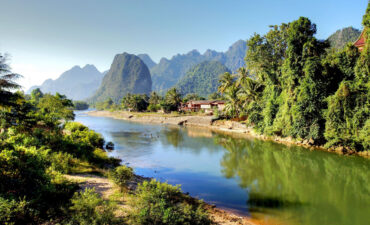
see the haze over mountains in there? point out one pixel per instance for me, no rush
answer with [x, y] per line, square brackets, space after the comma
[169, 71]
[187, 71]
[77, 83]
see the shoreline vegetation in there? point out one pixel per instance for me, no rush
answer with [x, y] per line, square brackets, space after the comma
[208, 122]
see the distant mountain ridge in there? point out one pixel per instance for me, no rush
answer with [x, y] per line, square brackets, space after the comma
[169, 71]
[342, 36]
[147, 60]
[127, 74]
[77, 83]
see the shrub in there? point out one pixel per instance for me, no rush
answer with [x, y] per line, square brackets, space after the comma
[12, 212]
[121, 175]
[89, 208]
[62, 162]
[154, 108]
[161, 203]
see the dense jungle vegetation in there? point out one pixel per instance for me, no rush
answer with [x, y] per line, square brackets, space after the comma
[294, 85]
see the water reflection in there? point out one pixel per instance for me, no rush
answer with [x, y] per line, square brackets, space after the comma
[294, 184]
[321, 188]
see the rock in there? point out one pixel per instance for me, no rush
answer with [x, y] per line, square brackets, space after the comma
[311, 141]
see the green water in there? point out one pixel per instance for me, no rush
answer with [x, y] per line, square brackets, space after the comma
[259, 178]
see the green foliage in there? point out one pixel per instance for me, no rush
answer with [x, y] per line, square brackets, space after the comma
[108, 104]
[37, 146]
[214, 96]
[55, 107]
[12, 212]
[135, 102]
[192, 96]
[88, 208]
[7, 84]
[121, 175]
[80, 105]
[202, 79]
[161, 203]
[341, 37]
[293, 86]
[36, 94]
[172, 100]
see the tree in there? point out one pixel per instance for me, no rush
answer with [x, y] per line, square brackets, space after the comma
[192, 96]
[36, 94]
[233, 104]
[7, 83]
[55, 107]
[225, 81]
[172, 100]
[154, 98]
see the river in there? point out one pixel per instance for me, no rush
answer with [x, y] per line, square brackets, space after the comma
[262, 179]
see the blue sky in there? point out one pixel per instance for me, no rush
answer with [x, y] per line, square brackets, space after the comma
[47, 37]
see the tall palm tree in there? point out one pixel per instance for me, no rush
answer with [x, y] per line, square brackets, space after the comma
[154, 98]
[243, 75]
[233, 104]
[225, 81]
[250, 90]
[7, 83]
[173, 97]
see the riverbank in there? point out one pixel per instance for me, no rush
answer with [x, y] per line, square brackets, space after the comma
[225, 126]
[108, 191]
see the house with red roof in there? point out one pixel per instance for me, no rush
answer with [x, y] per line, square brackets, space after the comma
[360, 42]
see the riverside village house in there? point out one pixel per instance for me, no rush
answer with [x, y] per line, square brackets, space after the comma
[360, 42]
[207, 105]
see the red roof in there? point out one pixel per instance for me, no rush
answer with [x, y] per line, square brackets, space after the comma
[361, 40]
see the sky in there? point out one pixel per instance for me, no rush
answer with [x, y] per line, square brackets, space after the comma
[44, 38]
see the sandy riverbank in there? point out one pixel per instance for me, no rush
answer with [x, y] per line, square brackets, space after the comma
[225, 126]
[105, 188]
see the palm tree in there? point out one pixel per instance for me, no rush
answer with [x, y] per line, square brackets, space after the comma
[7, 83]
[154, 98]
[173, 97]
[225, 81]
[233, 104]
[243, 75]
[250, 90]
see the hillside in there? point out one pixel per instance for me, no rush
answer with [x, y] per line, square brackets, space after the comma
[341, 37]
[127, 74]
[202, 78]
[169, 71]
[77, 83]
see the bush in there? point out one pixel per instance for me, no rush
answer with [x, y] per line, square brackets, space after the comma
[12, 212]
[89, 208]
[62, 162]
[161, 203]
[154, 108]
[121, 175]
[80, 105]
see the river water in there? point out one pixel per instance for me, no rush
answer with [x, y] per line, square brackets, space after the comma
[262, 179]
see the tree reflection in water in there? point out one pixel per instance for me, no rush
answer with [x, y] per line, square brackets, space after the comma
[318, 186]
